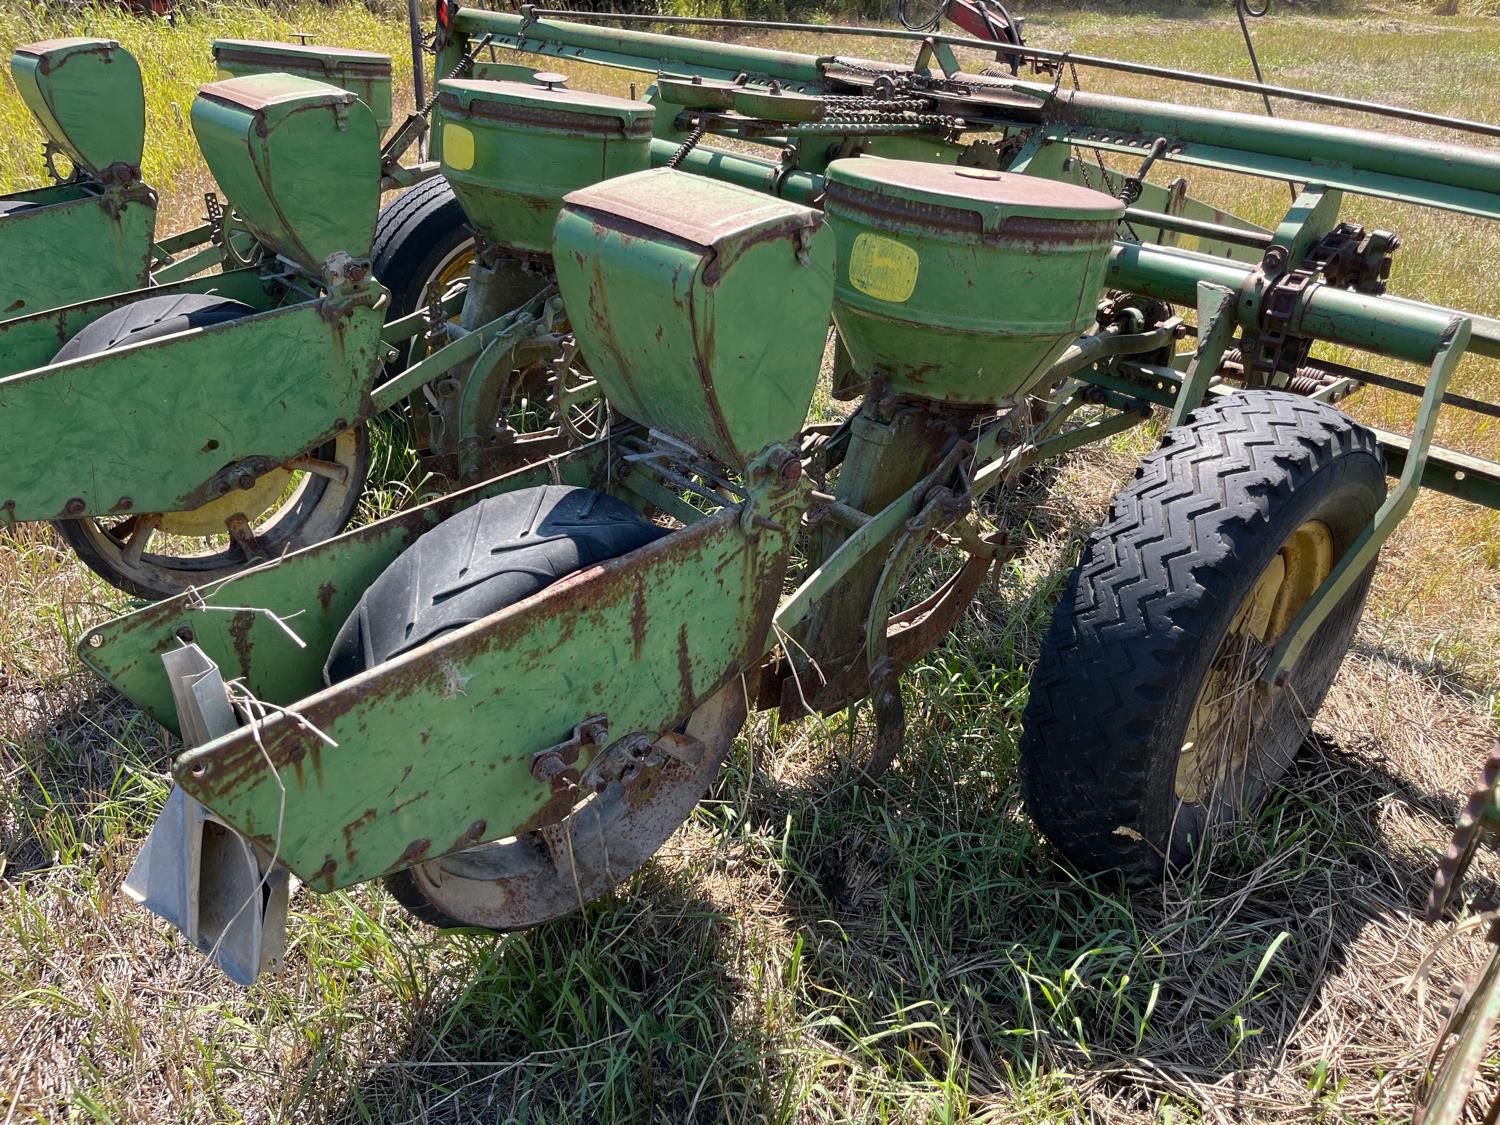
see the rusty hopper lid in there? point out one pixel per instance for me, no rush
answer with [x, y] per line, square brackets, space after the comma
[535, 104]
[259, 92]
[58, 49]
[992, 196]
[693, 208]
[330, 58]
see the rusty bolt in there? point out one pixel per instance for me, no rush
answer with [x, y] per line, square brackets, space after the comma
[185, 634]
[246, 480]
[124, 504]
[476, 830]
[73, 506]
[791, 471]
[221, 486]
[414, 850]
[297, 752]
[549, 767]
[328, 868]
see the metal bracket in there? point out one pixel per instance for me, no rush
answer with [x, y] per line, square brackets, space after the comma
[556, 765]
[1216, 325]
[1362, 552]
[223, 893]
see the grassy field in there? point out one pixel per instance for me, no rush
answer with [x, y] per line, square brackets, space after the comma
[805, 950]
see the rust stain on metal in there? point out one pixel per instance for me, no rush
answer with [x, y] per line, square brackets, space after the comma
[684, 664]
[325, 596]
[240, 626]
[608, 587]
[638, 616]
[353, 828]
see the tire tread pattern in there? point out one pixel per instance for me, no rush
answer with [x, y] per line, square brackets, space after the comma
[1137, 601]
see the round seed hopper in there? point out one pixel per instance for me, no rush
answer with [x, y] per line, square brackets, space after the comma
[963, 284]
[512, 150]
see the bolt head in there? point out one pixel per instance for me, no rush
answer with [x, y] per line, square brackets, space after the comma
[74, 506]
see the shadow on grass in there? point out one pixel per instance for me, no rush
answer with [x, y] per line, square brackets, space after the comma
[630, 1012]
[934, 905]
[80, 766]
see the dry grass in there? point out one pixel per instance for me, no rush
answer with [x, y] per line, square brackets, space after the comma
[804, 950]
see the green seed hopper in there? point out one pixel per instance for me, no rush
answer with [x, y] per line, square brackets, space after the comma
[87, 96]
[366, 74]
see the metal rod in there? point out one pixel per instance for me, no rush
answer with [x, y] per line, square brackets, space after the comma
[419, 96]
[1216, 231]
[1284, 93]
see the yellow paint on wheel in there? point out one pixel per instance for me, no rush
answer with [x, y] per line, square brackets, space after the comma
[1221, 732]
[255, 501]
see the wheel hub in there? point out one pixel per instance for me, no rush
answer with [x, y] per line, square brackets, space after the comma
[1221, 732]
[210, 519]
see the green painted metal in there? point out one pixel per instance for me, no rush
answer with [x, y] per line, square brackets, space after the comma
[299, 160]
[701, 307]
[1313, 214]
[399, 764]
[86, 437]
[28, 342]
[314, 590]
[924, 253]
[81, 247]
[631, 50]
[512, 150]
[87, 95]
[1362, 552]
[1401, 329]
[746, 171]
[1216, 325]
[366, 74]
[1448, 471]
[1381, 165]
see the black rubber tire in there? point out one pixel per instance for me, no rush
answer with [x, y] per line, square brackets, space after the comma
[151, 319]
[1153, 597]
[487, 557]
[416, 234]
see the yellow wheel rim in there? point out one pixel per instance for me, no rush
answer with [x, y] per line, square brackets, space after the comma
[210, 519]
[455, 271]
[1221, 731]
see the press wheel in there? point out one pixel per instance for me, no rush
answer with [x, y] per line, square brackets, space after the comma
[631, 800]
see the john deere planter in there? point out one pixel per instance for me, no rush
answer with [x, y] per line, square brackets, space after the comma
[503, 701]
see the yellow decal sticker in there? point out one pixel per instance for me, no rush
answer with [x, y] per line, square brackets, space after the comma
[458, 147]
[883, 268]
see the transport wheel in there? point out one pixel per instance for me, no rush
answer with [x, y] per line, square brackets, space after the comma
[307, 500]
[423, 245]
[1146, 727]
[632, 796]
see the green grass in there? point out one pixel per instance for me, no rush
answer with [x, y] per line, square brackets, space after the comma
[805, 949]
